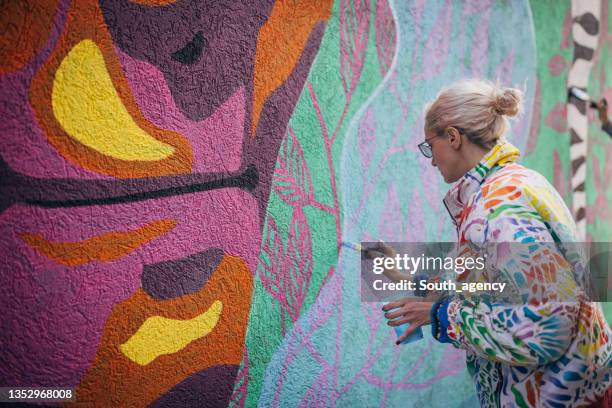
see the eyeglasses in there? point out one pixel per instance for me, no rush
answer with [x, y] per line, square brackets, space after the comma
[425, 149]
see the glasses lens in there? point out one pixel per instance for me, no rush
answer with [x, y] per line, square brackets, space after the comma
[425, 149]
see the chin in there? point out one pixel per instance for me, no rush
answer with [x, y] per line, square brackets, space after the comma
[450, 179]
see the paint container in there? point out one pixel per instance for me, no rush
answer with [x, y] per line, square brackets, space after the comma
[399, 330]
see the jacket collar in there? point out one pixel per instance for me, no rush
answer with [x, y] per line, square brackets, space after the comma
[457, 197]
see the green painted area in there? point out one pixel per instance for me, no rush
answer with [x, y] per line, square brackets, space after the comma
[265, 331]
[269, 323]
[552, 41]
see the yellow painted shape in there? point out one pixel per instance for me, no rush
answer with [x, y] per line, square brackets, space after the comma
[159, 335]
[89, 109]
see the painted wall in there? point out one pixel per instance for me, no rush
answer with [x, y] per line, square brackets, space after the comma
[176, 177]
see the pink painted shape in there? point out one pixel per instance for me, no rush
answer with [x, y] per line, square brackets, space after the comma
[292, 180]
[390, 217]
[216, 141]
[59, 311]
[452, 361]
[480, 44]
[567, 29]
[534, 130]
[556, 65]
[366, 136]
[415, 226]
[354, 35]
[503, 72]
[557, 118]
[298, 262]
[386, 35]
[475, 6]
[558, 175]
[438, 43]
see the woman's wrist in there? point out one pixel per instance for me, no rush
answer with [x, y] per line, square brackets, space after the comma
[439, 320]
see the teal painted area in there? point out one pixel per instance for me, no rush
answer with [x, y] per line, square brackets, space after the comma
[389, 192]
[386, 190]
[265, 331]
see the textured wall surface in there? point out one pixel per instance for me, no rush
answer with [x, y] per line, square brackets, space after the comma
[176, 177]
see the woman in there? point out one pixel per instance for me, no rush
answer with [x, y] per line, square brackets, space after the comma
[552, 349]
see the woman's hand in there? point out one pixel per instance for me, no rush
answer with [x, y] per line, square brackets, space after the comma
[602, 110]
[407, 310]
[381, 249]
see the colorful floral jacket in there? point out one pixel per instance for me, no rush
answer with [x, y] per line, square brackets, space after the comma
[549, 346]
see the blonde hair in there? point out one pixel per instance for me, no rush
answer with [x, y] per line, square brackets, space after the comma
[478, 109]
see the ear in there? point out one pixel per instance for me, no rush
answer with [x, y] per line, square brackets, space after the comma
[454, 137]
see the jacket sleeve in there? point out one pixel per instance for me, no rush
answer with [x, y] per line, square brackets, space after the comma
[538, 323]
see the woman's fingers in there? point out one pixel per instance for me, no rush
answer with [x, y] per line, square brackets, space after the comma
[399, 322]
[397, 313]
[407, 333]
[393, 305]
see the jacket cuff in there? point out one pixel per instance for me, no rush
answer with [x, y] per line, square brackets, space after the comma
[439, 321]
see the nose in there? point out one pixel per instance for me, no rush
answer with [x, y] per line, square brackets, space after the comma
[433, 162]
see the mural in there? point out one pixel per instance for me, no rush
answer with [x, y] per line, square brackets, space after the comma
[176, 177]
[139, 143]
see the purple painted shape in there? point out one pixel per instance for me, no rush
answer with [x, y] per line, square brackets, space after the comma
[209, 388]
[178, 277]
[23, 144]
[229, 35]
[216, 141]
[77, 300]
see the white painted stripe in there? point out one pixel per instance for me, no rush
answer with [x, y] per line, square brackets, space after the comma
[580, 7]
[577, 120]
[578, 150]
[579, 175]
[581, 228]
[579, 200]
[583, 38]
[579, 73]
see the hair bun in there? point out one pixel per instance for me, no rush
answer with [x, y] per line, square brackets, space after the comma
[508, 102]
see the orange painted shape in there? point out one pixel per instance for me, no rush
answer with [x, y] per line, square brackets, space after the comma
[113, 378]
[85, 21]
[501, 191]
[492, 203]
[105, 247]
[280, 43]
[25, 27]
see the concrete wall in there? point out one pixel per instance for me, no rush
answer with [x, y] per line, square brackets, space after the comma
[176, 177]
